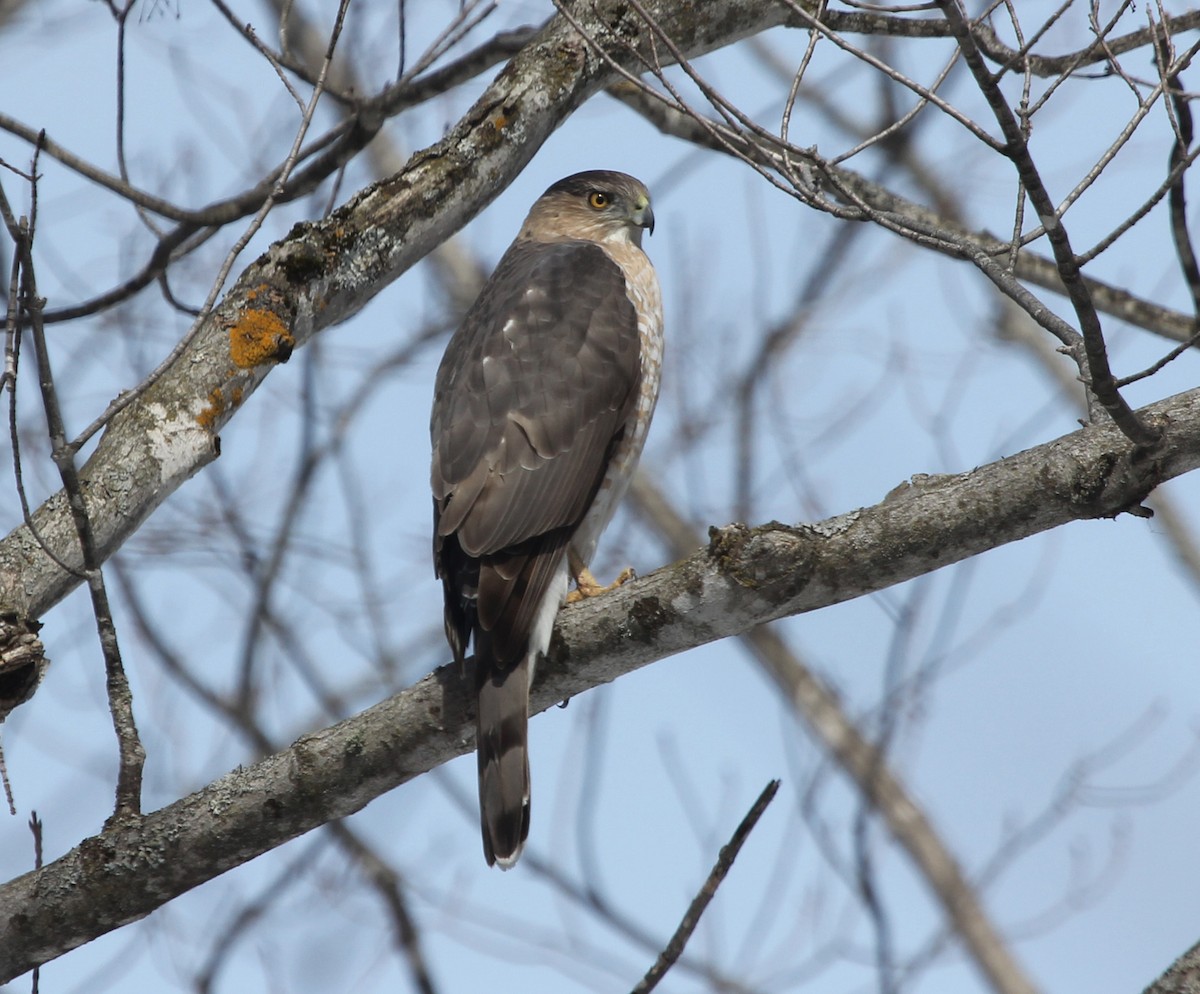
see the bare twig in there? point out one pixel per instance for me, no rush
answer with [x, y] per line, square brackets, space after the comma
[1100, 51]
[35, 828]
[121, 15]
[1094, 358]
[721, 868]
[1181, 118]
[907, 218]
[8, 793]
[132, 755]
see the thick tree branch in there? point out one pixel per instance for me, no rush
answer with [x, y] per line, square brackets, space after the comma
[323, 273]
[744, 577]
[868, 767]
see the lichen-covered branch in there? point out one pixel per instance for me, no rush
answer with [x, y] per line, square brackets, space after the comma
[1182, 977]
[323, 273]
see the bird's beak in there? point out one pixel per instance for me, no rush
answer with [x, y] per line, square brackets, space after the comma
[643, 217]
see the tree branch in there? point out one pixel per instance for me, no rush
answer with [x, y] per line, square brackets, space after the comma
[1095, 351]
[866, 764]
[674, 948]
[1182, 977]
[744, 577]
[1029, 266]
[323, 273]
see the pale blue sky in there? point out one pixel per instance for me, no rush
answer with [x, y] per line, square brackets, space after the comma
[1058, 646]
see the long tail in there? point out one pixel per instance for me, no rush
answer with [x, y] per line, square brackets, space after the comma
[502, 734]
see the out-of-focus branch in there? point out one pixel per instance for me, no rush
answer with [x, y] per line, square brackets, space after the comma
[729, 851]
[864, 764]
[383, 878]
[745, 576]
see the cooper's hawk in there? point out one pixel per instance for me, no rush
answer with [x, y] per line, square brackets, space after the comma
[540, 410]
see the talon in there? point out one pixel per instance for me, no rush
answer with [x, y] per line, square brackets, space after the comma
[587, 585]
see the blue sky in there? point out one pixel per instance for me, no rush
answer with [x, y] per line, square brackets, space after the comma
[1016, 667]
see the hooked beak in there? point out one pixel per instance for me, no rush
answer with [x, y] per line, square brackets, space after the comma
[643, 217]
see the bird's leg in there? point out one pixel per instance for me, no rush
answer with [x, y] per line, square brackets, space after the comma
[587, 585]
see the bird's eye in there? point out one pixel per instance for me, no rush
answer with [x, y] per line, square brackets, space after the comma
[598, 200]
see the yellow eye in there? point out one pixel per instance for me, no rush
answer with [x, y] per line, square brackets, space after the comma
[598, 200]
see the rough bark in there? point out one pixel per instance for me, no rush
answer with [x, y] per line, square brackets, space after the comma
[1182, 977]
[743, 577]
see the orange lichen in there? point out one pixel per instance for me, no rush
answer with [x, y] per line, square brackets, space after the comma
[502, 117]
[259, 336]
[216, 404]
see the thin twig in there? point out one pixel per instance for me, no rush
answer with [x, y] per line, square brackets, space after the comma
[35, 827]
[122, 18]
[729, 852]
[1180, 111]
[1154, 367]
[1093, 357]
[8, 792]
[120, 699]
[909, 219]
[18, 233]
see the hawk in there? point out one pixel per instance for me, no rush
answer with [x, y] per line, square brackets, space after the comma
[540, 410]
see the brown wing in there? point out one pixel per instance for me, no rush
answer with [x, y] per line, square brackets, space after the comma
[533, 391]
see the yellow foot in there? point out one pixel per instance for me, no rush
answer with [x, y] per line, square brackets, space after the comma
[586, 585]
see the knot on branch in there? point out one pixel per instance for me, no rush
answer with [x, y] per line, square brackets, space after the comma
[1112, 483]
[23, 661]
[774, 560]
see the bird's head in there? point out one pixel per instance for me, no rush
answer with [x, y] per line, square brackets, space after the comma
[598, 205]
